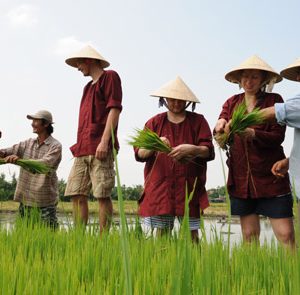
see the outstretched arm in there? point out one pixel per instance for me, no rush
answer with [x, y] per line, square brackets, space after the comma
[269, 114]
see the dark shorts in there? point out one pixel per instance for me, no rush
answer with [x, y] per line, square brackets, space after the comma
[277, 207]
[45, 214]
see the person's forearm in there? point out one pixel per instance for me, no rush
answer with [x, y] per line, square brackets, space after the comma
[111, 123]
[203, 152]
[2, 154]
[144, 154]
[220, 125]
[200, 151]
[269, 114]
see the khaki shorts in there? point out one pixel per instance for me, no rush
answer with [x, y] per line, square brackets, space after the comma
[89, 174]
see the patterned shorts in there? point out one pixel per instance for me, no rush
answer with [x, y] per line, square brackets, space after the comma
[46, 214]
[90, 174]
[167, 221]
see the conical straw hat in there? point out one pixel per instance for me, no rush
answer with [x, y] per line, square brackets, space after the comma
[86, 52]
[252, 63]
[176, 89]
[292, 71]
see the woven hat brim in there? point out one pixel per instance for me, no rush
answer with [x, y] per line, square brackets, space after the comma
[176, 89]
[72, 61]
[291, 73]
[234, 76]
[191, 99]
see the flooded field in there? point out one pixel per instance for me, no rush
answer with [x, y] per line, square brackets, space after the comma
[212, 226]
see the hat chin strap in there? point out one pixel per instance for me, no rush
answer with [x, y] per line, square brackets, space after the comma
[162, 102]
[193, 105]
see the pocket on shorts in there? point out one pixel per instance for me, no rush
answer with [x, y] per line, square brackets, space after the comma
[103, 181]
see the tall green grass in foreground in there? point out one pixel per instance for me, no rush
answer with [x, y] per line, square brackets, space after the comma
[36, 260]
[124, 226]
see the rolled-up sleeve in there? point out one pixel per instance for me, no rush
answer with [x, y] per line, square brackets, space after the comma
[288, 113]
[17, 149]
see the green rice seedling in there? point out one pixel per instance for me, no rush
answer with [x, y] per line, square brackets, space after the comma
[32, 166]
[240, 120]
[185, 251]
[227, 200]
[35, 259]
[75, 262]
[149, 140]
[123, 224]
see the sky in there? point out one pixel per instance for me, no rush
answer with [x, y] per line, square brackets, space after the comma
[148, 43]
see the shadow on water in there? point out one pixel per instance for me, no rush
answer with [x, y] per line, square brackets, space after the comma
[212, 226]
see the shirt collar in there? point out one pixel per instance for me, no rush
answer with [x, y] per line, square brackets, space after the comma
[47, 141]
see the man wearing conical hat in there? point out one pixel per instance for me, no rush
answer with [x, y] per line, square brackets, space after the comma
[288, 113]
[100, 107]
[166, 175]
[252, 187]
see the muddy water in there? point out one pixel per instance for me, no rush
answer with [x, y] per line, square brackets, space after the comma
[212, 226]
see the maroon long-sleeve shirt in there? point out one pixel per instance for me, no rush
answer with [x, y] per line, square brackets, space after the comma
[96, 102]
[250, 162]
[165, 179]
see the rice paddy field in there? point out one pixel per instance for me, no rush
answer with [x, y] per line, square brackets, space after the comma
[37, 260]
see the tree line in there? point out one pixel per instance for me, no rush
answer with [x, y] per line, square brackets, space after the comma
[7, 190]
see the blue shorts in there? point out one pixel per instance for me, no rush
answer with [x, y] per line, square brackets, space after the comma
[167, 222]
[277, 207]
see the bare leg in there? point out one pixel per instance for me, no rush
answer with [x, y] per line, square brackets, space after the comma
[80, 210]
[250, 227]
[283, 229]
[105, 213]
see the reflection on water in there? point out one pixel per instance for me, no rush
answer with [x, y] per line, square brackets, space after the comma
[212, 226]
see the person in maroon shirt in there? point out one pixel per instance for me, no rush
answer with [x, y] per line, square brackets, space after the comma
[252, 187]
[99, 112]
[167, 175]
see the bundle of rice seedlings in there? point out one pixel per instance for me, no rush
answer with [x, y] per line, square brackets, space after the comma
[149, 140]
[239, 122]
[32, 166]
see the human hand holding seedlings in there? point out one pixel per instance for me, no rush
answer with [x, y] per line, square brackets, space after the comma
[248, 134]
[144, 153]
[182, 152]
[280, 168]
[185, 152]
[11, 159]
[165, 140]
[220, 126]
[240, 124]
[227, 127]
